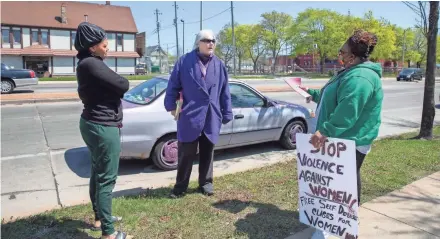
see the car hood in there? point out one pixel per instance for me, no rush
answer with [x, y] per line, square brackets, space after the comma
[129, 105]
[281, 103]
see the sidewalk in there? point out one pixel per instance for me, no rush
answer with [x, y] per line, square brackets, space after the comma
[411, 212]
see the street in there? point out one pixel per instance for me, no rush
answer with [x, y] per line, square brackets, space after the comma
[44, 160]
[60, 87]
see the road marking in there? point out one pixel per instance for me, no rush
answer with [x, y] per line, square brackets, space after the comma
[23, 156]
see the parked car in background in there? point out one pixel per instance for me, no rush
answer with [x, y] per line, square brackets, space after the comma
[141, 69]
[13, 78]
[149, 131]
[410, 74]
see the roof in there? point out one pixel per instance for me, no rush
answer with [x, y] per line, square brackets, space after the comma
[151, 49]
[48, 14]
[39, 50]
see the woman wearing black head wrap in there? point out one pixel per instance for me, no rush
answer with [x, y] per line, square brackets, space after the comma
[100, 90]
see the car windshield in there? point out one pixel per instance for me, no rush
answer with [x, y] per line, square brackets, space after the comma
[407, 71]
[147, 91]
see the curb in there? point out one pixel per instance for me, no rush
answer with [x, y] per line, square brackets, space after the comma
[33, 101]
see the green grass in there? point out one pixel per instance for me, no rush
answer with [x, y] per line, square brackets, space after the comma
[260, 203]
[73, 78]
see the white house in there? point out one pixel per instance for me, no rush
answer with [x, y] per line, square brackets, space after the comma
[40, 35]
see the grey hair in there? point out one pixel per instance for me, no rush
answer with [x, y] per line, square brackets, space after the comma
[203, 34]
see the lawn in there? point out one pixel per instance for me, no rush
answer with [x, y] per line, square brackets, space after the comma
[73, 78]
[260, 203]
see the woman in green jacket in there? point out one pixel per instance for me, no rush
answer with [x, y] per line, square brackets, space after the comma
[349, 106]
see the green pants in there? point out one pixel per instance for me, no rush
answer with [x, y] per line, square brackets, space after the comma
[104, 145]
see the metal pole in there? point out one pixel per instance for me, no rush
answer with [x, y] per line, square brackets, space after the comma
[403, 48]
[158, 39]
[201, 14]
[233, 36]
[183, 36]
[177, 34]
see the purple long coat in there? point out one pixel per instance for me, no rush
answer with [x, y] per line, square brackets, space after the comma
[206, 103]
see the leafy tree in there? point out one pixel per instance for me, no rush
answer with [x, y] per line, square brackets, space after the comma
[318, 30]
[224, 47]
[275, 36]
[253, 39]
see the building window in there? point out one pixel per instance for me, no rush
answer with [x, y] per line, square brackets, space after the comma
[5, 36]
[44, 38]
[119, 40]
[73, 38]
[17, 36]
[35, 40]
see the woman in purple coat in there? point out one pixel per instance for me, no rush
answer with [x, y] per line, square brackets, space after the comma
[202, 79]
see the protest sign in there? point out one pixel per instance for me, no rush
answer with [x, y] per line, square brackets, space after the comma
[327, 183]
[295, 83]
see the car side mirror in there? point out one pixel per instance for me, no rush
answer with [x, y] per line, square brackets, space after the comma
[267, 103]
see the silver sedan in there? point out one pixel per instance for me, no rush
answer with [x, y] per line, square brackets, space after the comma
[149, 131]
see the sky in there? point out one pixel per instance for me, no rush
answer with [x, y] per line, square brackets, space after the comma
[245, 12]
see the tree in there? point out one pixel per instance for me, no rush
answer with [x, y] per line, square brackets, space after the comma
[275, 36]
[430, 29]
[384, 31]
[254, 43]
[403, 45]
[320, 30]
[241, 43]
[224, 47]
[419, 47]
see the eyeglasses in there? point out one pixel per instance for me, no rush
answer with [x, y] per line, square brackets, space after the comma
[208, 41]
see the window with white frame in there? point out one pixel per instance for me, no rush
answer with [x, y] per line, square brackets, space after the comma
[16, 33]
[44, 37]
[34, 37]
[119, 39]
[5, 36]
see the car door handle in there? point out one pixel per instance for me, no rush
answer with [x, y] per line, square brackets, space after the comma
[240, 116]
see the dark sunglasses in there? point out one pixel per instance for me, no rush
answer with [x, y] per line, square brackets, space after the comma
[208, 41]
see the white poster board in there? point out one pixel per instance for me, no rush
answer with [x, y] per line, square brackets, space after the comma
[327, 182]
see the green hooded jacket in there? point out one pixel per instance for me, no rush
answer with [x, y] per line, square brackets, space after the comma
[352, 104]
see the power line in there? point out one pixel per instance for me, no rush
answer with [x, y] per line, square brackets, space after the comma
[210, 16]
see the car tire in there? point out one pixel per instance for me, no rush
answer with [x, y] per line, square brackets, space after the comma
[287, 139]
[165, 153]
[7, 86]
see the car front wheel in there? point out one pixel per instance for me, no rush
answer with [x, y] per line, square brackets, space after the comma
[165, 153]
[288, 138]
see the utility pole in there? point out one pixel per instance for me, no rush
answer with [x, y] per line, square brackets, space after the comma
[175, 24]
[233, 36]
[183, 36]
[157, 13]
[201, 19]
